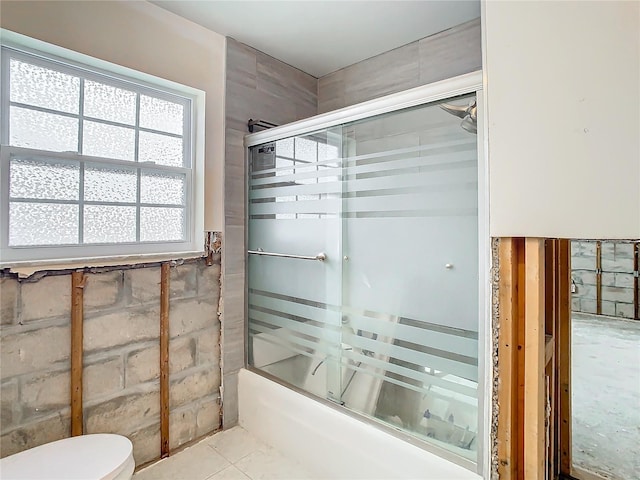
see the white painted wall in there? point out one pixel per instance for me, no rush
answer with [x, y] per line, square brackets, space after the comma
[332, 443]
[146, 38]
[563, 100]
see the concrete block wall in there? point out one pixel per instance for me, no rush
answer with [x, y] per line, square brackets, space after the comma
[121, 357]
[617, 277]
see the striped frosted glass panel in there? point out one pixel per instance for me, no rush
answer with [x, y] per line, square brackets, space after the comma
[297, 178]
[452, 350]
[428, 354]
[387, 325]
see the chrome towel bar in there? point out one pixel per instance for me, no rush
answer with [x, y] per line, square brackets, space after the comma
[321, 257]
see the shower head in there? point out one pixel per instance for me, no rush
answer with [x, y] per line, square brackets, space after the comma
[469, 124]
[468, 115]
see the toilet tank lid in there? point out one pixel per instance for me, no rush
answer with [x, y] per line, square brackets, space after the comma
[95, 456]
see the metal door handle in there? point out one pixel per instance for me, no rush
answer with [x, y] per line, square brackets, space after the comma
[321, 257]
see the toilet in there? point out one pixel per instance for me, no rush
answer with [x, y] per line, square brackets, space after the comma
[100, 456]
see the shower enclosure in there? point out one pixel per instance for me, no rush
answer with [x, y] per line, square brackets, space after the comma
[365, 260]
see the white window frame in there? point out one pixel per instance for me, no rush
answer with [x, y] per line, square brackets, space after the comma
[63, 60]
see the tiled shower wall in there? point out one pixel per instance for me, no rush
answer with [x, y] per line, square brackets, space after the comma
[444, 55]
[259, 87]
[121, 356]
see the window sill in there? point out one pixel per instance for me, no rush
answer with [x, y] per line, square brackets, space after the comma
[27, 268]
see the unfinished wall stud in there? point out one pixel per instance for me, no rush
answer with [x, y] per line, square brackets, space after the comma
[533, 437]
[520, 356]
[551, 280]
[563, 357]
[534, 353]
[164, 360]
[507, 359]
[77, 349]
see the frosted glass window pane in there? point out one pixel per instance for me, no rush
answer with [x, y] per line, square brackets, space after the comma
[109, 184]
[43, 87]
[100, 140]
[109, 103]
[42, 224]
[44, 131]
[306, 149]
[161, 115]
[163, 189]
[53, 181]
[161, 224]
[160, 149]
[109, 224]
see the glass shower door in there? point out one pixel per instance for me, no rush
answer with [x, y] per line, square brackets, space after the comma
[386, 321]
[410, 275]
[294, 262]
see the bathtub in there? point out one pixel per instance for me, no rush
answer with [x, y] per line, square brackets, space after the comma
[331, 442]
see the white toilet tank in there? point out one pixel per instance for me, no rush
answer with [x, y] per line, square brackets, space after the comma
[100, 456]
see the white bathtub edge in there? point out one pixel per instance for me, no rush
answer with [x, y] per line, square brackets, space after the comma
[329, 441]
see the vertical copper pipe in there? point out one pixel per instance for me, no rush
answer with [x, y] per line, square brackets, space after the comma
[636, 300]
[164, 361]
[77, 338]
[599, 277]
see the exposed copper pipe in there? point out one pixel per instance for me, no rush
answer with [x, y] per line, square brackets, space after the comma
[599, 277]
[636, 268]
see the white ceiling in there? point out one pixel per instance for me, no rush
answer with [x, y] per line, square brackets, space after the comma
[320, 37]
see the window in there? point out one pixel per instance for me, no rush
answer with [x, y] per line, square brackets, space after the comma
[93, 164]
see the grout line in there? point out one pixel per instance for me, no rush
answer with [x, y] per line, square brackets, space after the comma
[228, 459]
[245, 475]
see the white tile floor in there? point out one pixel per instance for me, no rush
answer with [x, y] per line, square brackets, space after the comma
[230, 455]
